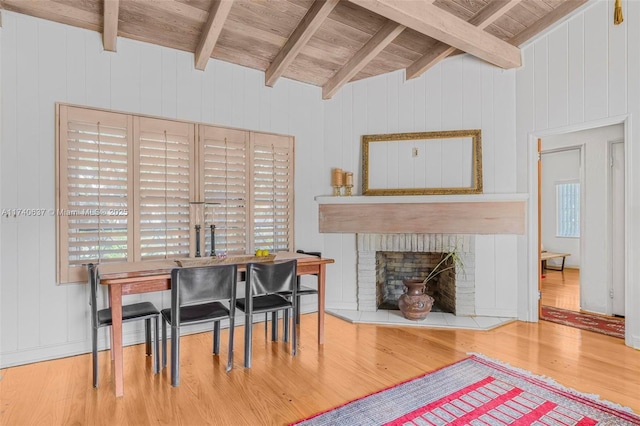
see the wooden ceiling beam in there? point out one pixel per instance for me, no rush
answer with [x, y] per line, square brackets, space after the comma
[217, 16]
[110, 24]
[318, 12]
[485, 17]
[425, 18]
[370, 50]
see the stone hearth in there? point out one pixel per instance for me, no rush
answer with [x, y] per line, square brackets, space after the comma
[370, 245]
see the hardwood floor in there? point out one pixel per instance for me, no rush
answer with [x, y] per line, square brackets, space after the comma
[356, 360]
[561, 289]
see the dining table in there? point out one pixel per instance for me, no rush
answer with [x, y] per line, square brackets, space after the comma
[125, 278]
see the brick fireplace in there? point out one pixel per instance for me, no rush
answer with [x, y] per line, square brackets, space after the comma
[412, 255]
[392, 267]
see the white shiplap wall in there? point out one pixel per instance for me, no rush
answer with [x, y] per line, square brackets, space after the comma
[584, 70]
[43, 63]
[583, 73]
[459, 93]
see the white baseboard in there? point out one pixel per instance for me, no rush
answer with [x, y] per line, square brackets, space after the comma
[634, 342]
[352, 306]
[63, 350]
[496, 312]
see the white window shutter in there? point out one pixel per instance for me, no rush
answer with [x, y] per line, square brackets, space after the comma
[164, 161]
[95, 190]
[223, 157]
[272, 191]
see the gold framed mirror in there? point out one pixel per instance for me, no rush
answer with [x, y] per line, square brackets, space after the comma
[422, 163]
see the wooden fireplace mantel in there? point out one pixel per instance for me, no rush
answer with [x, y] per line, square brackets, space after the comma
[453, 214]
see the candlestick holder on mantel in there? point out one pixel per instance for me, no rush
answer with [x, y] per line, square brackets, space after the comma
[348, 190]
[348, 183]
[336, 181]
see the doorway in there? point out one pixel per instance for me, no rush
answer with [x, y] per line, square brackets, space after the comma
[585, 170]
[530, 295]
[560, 226]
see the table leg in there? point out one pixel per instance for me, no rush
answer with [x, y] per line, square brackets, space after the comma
[115, 300]
[321, 289]
[110, 329]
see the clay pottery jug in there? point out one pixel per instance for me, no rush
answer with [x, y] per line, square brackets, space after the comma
[414, 303]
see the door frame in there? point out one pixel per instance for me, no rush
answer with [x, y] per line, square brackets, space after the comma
[533, 243]
[610, 241]
[581, 148]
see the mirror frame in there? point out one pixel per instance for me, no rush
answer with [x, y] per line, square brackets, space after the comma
[474, 134]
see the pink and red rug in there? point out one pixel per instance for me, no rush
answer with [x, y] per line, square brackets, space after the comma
[609, 326]
[477, 391]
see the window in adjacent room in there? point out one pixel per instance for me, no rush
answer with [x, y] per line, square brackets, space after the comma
[568, 209]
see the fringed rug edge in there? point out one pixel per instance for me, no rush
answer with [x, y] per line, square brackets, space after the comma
[591, 397]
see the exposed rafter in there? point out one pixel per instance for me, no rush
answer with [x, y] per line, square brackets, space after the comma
[110, 24]
[211, 31]
[485, 17]
[299, 38]
[370, 50]
[281, 37]
[424, 17]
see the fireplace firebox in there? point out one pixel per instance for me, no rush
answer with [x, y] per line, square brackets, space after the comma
[393, 267]
[385, 259]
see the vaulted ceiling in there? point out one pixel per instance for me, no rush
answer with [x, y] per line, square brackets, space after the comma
[322, 42]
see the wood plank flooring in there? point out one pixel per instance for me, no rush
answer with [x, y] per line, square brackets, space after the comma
[356, 360]
[561, 289]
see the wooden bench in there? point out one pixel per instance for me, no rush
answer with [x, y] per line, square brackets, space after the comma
[546, 255]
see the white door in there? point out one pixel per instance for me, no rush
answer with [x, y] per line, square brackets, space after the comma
[617, 227]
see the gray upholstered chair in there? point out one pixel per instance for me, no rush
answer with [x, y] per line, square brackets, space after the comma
[195, 298]
[133, 312]
[264, 282]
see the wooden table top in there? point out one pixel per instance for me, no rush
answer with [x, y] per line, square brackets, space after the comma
[156, 268]
[551, 255]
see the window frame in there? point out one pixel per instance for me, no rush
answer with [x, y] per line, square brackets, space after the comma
[68, 273]
[577, 209]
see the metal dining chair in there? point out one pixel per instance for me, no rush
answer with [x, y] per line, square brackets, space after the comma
[196, 295]
[264, 282]
[302, 290]
[133, 312]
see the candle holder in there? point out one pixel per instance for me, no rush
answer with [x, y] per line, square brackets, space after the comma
[336, 181]
[347, 190]
[197, 240]
[348, 183]
[213, 241]
[196, 211]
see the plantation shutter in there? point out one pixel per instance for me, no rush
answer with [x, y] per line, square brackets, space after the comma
[164, 164]
[127, 186]
[223, 157]
[94, 189]
[272, 191]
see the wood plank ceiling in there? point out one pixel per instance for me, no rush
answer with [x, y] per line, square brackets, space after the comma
[327, 43]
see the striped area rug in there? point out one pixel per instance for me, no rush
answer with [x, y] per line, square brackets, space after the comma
[477, 391]
[600, 324]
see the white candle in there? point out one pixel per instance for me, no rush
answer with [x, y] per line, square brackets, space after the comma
[348, 178]
[337, 177]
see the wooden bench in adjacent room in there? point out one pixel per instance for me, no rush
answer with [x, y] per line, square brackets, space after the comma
[546, 255]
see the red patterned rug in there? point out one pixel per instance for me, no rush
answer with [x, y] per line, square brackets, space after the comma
[599, 324]
[477, 391]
